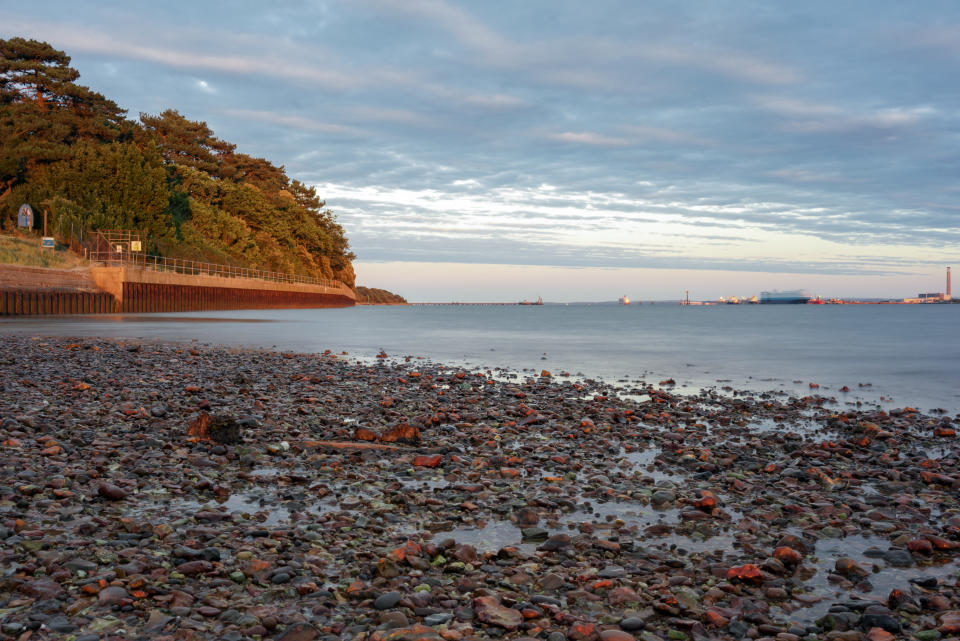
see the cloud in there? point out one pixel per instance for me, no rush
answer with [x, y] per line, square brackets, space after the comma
[820, 117]
[562, 133]
[724, 62]
[588, 138]
[205, 87]
[664, 134]
[812, 176]
[631, 135]
[563, 227]
[292, 121]
[458, 23]
[575, 61]
[387, 114]
[261, 63]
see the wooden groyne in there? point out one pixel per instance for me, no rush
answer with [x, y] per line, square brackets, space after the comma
[124, 289]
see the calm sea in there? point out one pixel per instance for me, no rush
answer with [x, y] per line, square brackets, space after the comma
[892, 355]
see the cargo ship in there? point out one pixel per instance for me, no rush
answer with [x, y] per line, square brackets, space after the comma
[792, 297]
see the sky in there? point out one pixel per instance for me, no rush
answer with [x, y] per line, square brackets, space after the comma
[501, 150]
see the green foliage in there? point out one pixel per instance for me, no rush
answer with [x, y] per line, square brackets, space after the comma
[43, 112]
[104, 186]
[184, 142]
[375, 296]
[69, 150]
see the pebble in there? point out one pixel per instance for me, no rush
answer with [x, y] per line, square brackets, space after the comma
[439, 618]
[387, 600]
[632, 624]
[476, 505]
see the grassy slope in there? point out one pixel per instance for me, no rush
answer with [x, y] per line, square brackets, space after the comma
[27, 252]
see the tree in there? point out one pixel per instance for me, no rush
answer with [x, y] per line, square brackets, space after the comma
[66, 147]
[255, 171]
[185, 142]
[43, 111]
[107, 186]
[32, 70]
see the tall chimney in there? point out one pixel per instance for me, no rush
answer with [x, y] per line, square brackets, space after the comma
[948, 284]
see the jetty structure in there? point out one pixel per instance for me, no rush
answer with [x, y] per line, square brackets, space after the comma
[121, 279]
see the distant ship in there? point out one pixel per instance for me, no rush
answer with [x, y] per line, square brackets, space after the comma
[526, 302]
[792, 297]
[624, 300]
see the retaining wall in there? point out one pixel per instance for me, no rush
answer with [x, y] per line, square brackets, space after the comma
[102, 290]
[27, 302]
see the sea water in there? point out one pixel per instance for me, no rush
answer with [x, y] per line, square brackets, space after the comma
[887, 355]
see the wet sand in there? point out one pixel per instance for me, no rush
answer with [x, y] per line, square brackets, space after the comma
[405, 500]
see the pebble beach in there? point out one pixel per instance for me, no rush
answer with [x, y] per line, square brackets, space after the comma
[183, 491]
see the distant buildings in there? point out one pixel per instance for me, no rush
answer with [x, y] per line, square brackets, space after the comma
[933, 297]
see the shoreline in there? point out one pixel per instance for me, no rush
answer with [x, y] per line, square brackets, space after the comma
[462, 506]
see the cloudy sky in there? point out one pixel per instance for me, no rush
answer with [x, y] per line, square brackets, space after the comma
[585, 150]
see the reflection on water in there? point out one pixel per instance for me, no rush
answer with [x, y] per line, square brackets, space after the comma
[875, 586]
[493, 536]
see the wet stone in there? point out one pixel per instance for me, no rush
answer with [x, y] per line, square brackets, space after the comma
[60, 624]
[111, 491]
[662, 497]
[640, 503]
[883, 621]
[440, 618]
[898, 558]
[491, 612]
[80, 565]
[611, 572]
[534, 534]
[387, 600]
[112, 594]
[632, 624]
[299, 632]
[393, 619]
[555, 542]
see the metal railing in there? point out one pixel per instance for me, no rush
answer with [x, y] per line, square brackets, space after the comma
[192, 267]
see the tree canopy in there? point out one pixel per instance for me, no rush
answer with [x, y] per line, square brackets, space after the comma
[72, 151]
[375, 296]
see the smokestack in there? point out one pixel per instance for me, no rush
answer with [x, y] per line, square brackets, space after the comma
[948, 284]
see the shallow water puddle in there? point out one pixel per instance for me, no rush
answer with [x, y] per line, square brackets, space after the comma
[423, 484]
[876, 586]
[490, 538]
[644, 460]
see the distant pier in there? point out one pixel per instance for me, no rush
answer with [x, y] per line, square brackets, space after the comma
[475, 305]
